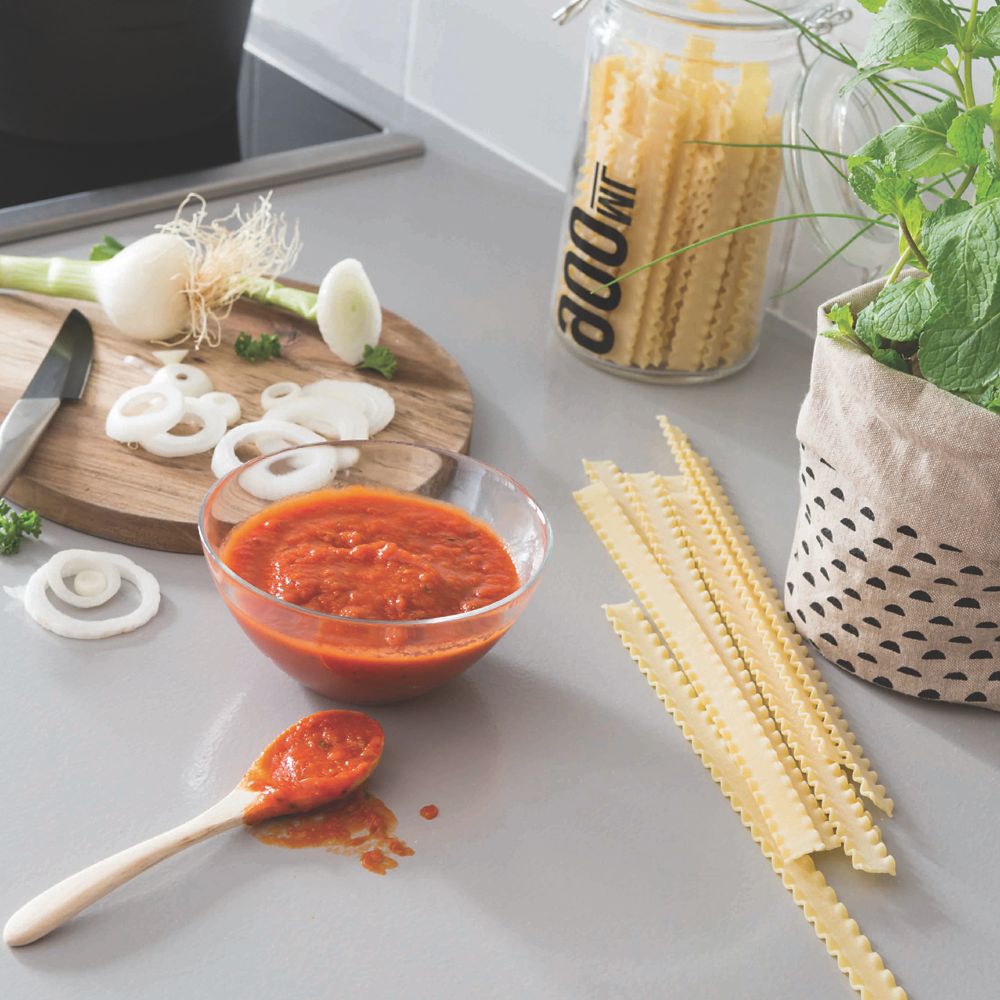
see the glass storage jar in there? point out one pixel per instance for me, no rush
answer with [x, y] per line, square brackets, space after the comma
[680, 106]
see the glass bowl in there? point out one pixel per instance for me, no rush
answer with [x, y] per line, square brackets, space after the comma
[361, 661]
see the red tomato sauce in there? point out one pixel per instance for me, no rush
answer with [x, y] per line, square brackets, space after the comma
[429, 812]
[323, 757]
[374, 554]
[369, 554]
[358, 825]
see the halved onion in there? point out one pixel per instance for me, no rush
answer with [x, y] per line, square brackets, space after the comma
[268, 436]
[166, 410]
[101, 577]
[377, 405]
[347, 311]
[227, 402]
[278, 393]
[333, 418]
[39, 606]
[190, 379]
[169, 445]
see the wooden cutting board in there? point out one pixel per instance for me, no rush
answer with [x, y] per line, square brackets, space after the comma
[79, 477]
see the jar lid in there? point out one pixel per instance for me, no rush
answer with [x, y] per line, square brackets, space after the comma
[712, 13]
[817, 113]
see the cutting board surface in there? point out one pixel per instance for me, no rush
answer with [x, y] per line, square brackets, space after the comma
[79, 477]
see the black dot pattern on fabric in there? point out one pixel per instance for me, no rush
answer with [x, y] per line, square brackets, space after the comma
[896, 606]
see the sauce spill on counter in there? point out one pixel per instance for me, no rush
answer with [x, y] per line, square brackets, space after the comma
[359, 825]
[429, 812]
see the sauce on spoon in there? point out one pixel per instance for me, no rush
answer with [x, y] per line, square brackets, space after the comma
[320, 759]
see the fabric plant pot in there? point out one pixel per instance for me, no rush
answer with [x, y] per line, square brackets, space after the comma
[894, 573]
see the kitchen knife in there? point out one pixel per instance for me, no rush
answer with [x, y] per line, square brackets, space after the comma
[61, 376]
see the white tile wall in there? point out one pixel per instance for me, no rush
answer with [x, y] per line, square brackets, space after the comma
[369, 35]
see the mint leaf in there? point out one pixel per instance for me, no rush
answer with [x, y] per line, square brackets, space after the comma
[900, 312]
[844, 319]
[987, 179]
[891, 359]
[106, 249]
[872, 6]
[965, 133]
[959, 356]
[986, 33]
[962, 244]
[905, 29]
[920, 145]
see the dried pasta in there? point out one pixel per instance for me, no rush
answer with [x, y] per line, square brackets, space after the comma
[844, 941]
[651, 181]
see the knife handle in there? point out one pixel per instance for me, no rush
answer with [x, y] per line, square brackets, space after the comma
[19, 433]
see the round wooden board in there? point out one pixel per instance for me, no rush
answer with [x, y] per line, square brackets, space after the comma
[79, 477]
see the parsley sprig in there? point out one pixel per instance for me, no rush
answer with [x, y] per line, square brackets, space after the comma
[264, 348]
[15, 526]
[379, 359]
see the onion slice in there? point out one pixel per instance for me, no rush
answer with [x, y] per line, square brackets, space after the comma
[307, 469]
[227, 403]
[269, 436]
[39, 606]
[75, 563]
[213, 427]
[347, 311]
[278, 393]
[131, 427]
[191, 380]
[333, 418]
[377, 405]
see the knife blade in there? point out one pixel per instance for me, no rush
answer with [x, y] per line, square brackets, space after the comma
[61, 376]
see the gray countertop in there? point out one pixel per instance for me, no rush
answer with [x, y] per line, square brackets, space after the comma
[581, 849]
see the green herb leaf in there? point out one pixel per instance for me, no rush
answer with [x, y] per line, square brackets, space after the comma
[267, 346]
[965, 133]
[379, 359]
[909, 29]
[962, 243]
[844, 319]
[986, 33]
[891, 359]
[900, 312]
[106, 249]
[919, 145]
[14, 527]
[987, 179]
[959, 356]
[872, 6]
[989, 398]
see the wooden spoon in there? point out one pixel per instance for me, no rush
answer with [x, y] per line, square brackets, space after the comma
[318, 760]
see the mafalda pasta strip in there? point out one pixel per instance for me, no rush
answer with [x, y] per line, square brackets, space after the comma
[798, 668]
[675, 524]
[665, 538]
[787, 820]
[844, 941]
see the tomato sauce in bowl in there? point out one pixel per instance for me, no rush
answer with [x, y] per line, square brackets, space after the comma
[372, 595]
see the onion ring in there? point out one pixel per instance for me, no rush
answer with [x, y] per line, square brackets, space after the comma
[130, 427]
[311, 469]
[268, 435]
[213, 427]
[278, 393]
[226, 402]
[191, 380]
[39, 605]
[333, 418]
[70, 562]
[377, 405]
